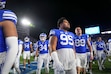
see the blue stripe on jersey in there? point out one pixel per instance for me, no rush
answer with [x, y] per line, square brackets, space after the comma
[65, 39]
[43, 46]
[80, 43]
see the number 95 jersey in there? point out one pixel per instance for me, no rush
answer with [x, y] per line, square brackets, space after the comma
[65, 39]
[80, 43]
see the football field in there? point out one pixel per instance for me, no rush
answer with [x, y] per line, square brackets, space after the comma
[32, 69]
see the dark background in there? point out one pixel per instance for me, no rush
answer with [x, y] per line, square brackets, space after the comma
[44, 14]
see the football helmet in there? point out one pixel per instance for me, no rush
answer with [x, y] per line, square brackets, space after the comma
[2, 4]
[109, 40]
[43, 37]
[26, 39]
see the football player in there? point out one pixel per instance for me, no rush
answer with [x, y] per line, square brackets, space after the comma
[27, 49]
[101, 50]
[8, 38]
[62, 48]
[81, 40]
[43, 52]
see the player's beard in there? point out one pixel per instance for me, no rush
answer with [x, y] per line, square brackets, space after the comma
[66, 28]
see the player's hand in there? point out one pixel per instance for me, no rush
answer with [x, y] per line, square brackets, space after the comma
[32, 50]
[91, 57]
[59, 66]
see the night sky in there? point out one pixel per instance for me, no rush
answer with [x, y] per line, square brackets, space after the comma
[44, 14]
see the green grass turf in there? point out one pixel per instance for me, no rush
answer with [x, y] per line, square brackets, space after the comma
[43, 71]
[95, 69]
[21, 59]
[107, 69]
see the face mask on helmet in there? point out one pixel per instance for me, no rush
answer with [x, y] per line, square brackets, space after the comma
[2, 4]
[26, 39]
[43, 36]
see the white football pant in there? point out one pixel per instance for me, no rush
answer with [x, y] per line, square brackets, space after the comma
[26, 55]
[67, 58]
[81, 59]
[43, 59]
[2, 59]
[101, 56]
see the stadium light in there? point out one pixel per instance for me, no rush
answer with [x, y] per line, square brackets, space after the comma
[25, 22]
[106, 32]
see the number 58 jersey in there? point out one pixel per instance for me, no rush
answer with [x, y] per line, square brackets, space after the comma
[65, 39]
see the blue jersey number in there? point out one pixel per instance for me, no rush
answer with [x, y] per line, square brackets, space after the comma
[66, 39]
[80, 42]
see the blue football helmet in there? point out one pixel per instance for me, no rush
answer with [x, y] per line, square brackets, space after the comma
[43, 36]
[2, 4]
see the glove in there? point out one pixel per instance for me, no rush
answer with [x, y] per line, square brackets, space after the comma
[57, 63]
[59, 66]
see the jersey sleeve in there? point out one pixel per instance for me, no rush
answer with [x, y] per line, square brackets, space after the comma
[30, 42]
[9, 15]
[48, 43]
[87, 36]
[21, 42]
[52, 32]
